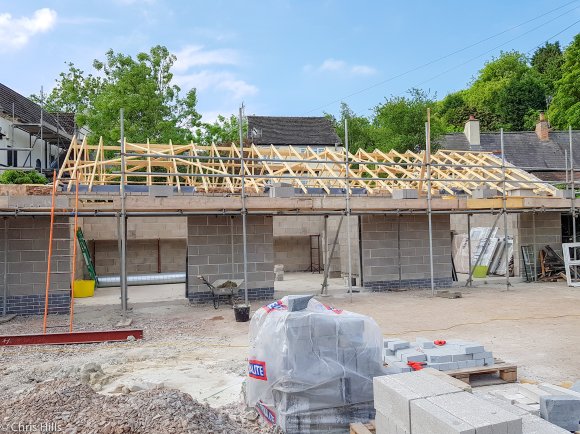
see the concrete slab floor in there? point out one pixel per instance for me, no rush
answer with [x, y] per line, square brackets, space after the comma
[533, 325]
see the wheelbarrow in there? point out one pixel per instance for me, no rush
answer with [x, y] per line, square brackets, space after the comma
[223, 288]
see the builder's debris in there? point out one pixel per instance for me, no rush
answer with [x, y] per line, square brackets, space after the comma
[74, 407]
[311, 370]
[6, 318]
[403, 356]
[552, 266]
[449, 294]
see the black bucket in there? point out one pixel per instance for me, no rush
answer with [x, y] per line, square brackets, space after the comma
[242, 312]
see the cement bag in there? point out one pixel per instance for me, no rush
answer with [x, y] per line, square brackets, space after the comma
[305, 357]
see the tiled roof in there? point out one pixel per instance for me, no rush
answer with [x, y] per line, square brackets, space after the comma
[523, 149]
[29, 112]
[278, 130]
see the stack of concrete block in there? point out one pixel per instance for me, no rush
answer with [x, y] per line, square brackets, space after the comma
[279, 272]
[330, 354]
[419, 402]
[531, 422]
[455, 354]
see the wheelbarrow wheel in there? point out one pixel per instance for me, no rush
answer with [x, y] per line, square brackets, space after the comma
[216, 301]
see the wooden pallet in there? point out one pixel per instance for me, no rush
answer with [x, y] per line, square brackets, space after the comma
[363, 428]
[505, 372]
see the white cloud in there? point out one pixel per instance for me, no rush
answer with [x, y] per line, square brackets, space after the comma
[363, 70]
[219, 80]
[195, 55]
[333, 65]
[340, 66]
[16, 32]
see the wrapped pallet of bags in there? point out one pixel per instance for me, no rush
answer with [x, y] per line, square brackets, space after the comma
[311, 366]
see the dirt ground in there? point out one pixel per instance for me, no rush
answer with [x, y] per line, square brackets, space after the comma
[202, 351]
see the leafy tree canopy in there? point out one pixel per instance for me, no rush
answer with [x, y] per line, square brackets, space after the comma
[565, 107]
[359, 128]
[504, 91]
[399, 123]
[153, 106]
[548, 61]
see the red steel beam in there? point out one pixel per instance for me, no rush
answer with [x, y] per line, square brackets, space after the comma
[86, 337]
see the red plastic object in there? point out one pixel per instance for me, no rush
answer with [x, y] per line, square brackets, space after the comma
[440, 342]
[82, 337]
[415, 366]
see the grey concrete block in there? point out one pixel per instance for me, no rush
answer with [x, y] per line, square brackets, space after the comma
[461, 357]
[447, 378]
[481, 414]
[557, 390]
[561, 410]
[489, 362]
[405, 193]
[427, 417]
[411, 355]
[425, 343]
[398, 344]
[394, 393]
[483, 355]
[447, 366]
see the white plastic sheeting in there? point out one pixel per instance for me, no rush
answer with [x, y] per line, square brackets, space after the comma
[493, 256]
[311, 370]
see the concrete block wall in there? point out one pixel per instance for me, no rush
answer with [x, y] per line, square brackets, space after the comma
[138, 228]
[209, 244]
[27, 260]
[380, 247]
[293, 252]
[143, 256]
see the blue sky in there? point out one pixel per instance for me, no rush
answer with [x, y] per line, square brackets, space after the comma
[280, 57]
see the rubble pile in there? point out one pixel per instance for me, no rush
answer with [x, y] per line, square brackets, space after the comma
[73, 407]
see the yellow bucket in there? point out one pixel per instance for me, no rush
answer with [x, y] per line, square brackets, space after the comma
[84, 288]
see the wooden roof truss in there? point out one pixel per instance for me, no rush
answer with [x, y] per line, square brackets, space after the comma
[214, 169]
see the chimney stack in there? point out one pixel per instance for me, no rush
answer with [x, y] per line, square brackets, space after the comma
[471, 132]
[543, 128]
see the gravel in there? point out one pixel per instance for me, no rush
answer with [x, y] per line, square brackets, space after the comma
[74, 407]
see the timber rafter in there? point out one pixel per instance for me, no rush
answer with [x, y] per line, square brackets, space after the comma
[216, 168]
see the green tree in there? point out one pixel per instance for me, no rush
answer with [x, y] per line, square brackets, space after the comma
[359, 129]
[504, 92]
[399, 123]
[142, 86]
[565, 107]
[73, 93]
[548, 60]
[224, 130]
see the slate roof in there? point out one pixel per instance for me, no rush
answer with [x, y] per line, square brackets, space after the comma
[28, 111]
[524, 149]
[281, 130]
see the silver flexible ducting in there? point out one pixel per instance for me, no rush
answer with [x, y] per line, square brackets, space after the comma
[142, 279]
